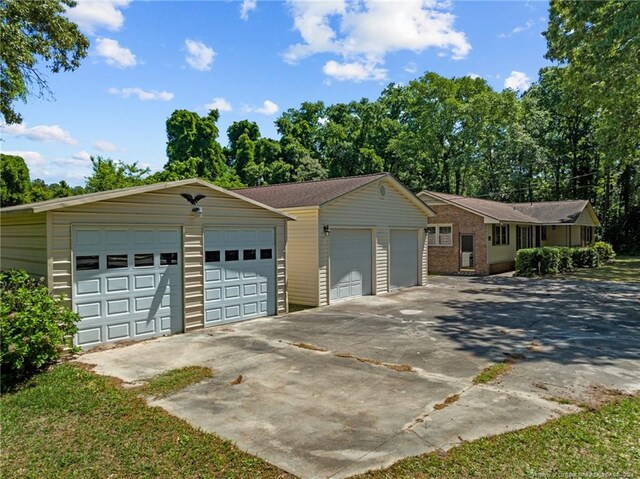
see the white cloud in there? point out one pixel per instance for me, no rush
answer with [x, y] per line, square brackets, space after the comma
[219, 104]
[364, 32]
[31, 158]
[83, 156]
[518, 29]
[353, 71]
[411, 67]
[115, 54]
[199, 55]
[247, 7]
[517, 81]
[473, 76]
[91, 15]
[104, 145]
[144, 95]
[268, 108]
[48, 133]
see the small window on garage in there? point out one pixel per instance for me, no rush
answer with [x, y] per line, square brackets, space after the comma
[266, 253]
[232, 255]
[85, 263]
[115, 261]
[167, 259]
[212, 256]
[248, 254]
[140, 260]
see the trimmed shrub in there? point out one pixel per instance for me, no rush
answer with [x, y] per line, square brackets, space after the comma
[565, 260]
[545, 261]
[584, 257]
[35, 326]
[605, 251]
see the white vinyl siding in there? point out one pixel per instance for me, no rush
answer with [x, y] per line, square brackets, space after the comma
[382, 260]
[302, 251]
[23, 242]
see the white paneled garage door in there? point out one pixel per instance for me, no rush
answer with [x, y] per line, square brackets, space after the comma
[404, 258]
[240, 274]
[127, 283]
[350, 263]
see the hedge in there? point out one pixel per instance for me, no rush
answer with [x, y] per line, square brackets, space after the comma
[552, 260]
[605, 251]
[35, 326]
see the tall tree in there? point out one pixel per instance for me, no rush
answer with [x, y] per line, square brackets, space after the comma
[109, 174]
[33, 31]
[192, 140]
[14, 180]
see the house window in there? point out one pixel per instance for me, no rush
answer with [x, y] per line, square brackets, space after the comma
[500, 234]
[440, 235]
[232, 255]
[543, 233]
[266, 253]
[115, 261]
[212, 256]
[523, 237]
[84, 263]
[587, 235]
[140, 260]
[167, 259]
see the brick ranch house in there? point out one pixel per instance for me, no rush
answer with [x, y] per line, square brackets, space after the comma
[478, 236]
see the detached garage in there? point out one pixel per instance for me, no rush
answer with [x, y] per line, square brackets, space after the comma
[153, 260]
[353, 236]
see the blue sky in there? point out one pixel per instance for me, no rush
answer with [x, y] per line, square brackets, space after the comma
[254, 59]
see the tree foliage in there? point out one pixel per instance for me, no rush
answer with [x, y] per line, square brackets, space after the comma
[110, 174]
[33, 32]
[14, 181]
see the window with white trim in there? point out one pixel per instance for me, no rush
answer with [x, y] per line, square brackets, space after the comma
[440, 235]
[500, 234]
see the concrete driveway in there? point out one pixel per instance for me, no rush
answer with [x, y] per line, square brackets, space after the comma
[335, 391]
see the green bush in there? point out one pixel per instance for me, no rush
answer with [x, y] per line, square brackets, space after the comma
[545, 261]
[584, 257]
[35, 326]
[605, 251]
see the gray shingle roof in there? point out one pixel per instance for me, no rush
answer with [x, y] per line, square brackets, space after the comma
[543, 212]
[307, 193]
[493, 209]
[553, 212]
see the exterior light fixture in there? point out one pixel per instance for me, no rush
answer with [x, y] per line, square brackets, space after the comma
[327, 230]
[197, 211]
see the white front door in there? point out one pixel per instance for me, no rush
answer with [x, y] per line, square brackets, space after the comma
[240, 274]
[403, 258]
[350, 263]
[127, 283]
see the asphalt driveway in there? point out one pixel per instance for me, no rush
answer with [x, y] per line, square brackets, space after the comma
[334, 391]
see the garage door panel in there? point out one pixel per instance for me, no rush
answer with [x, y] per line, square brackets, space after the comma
[237, 281]
[139, 297]
[403, 258]
[351, 258]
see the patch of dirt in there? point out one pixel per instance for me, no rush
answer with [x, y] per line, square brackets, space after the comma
[511, 358]
[85, 366]
[401, 368]
[594, 397]
[237, 380]
[541, 386]
[311, 347]
[534, 346]
[450, 400]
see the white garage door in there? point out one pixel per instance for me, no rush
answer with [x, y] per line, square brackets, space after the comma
[240, 274]
[404, 258]
[350, 263]
[127, 283]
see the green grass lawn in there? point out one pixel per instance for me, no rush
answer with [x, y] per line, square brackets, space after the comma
[71, 423]
[623, 269]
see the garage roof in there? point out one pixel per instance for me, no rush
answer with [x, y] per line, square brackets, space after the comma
[319, 192]
[59, 203]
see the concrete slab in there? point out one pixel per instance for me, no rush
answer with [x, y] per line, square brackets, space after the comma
[341, 411]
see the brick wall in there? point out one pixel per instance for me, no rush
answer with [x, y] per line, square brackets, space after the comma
[446, 259]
